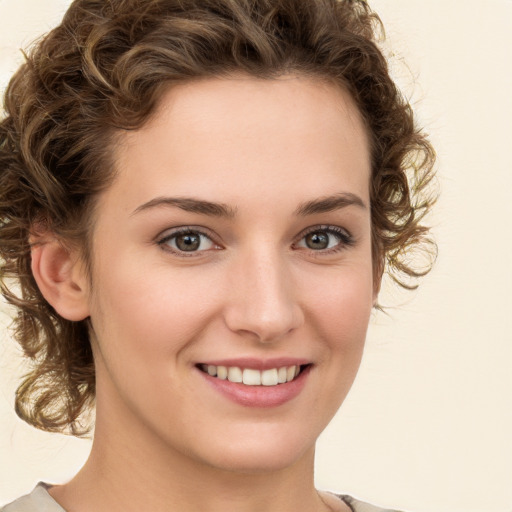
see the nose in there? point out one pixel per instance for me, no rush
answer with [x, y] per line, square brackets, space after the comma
[263, 300]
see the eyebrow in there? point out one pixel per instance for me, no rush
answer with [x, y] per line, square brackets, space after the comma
[190, 204]
[329, 204]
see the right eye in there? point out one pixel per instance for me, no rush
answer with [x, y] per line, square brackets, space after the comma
[187, 240]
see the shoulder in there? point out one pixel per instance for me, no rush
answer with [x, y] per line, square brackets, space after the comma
[39, 500]
[359, 506]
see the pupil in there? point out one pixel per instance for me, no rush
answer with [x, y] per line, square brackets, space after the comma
[317, 240]
[188, 242]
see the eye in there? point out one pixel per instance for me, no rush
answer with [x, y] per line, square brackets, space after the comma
[187, 240]
[326, 238]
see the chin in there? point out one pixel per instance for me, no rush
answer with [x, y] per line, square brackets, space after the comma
[262, 463]
[261, 454]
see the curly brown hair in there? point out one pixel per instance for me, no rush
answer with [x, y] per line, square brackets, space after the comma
[102, 70]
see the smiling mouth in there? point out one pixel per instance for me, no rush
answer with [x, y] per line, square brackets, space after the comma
[252, 377]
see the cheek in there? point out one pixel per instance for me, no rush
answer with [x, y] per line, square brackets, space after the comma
[340, 317]
[342, 301]
[151, 307]
[144, 322]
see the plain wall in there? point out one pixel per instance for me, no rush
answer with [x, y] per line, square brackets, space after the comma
[428, 424]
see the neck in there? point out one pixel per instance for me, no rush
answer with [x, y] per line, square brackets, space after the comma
[131, 470]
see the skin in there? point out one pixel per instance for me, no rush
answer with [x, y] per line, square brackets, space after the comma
[254, 288]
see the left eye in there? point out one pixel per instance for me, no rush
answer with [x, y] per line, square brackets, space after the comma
[188, 241]
[324, 239]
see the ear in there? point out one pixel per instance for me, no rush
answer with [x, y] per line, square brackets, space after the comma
[61, 278]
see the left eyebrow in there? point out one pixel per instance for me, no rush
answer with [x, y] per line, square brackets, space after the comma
[329, 204]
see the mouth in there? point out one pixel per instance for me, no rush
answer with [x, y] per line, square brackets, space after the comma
[253, 377]
[257, 383]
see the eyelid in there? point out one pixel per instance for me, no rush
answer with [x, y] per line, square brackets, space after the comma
[168, 234]
[346, 238]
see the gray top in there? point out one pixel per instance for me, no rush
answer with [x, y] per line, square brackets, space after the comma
[39, 500]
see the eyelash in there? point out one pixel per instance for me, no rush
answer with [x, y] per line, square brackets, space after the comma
[344, 237]
[162, 242]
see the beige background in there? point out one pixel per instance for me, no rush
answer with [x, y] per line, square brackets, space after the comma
[428, 424]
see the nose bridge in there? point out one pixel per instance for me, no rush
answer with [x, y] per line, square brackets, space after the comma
[264, 299]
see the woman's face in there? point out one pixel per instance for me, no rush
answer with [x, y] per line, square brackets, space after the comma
[235, 240]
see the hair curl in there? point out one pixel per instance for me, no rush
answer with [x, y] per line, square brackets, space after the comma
[102, 70]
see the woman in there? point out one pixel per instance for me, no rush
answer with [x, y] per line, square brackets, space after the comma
[198, 202]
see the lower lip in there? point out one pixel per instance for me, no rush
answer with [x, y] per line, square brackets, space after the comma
[259, 396]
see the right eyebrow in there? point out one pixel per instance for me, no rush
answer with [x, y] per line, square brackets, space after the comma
[190, 204]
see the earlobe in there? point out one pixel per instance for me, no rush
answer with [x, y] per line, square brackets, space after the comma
[61, 278]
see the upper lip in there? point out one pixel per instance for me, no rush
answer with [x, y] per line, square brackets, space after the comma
[257, 363]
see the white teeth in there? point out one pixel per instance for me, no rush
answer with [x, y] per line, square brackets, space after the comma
[281, 375]
[234, 374]
[269, 377]
[251, 377]
[222, 372]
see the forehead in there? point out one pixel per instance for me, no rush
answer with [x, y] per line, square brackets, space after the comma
[293, 134]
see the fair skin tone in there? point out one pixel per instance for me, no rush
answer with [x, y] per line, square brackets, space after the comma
[277, 273]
